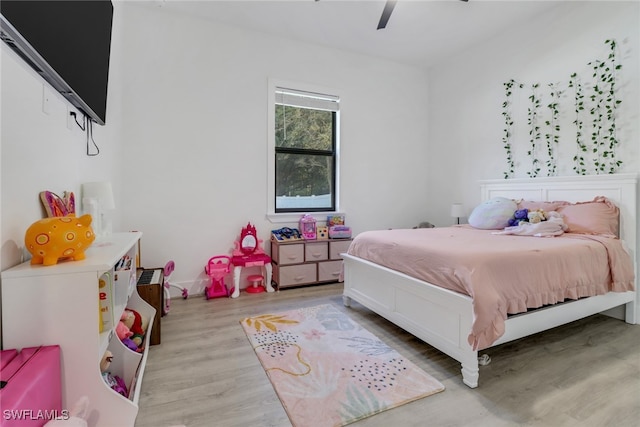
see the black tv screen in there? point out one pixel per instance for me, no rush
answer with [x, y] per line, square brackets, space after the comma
[68, 43]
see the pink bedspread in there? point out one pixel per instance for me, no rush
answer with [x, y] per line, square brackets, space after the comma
[503, 274]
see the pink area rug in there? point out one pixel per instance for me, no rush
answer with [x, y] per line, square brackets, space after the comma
[329, 371]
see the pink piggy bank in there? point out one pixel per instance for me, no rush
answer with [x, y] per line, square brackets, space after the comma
[50, 239]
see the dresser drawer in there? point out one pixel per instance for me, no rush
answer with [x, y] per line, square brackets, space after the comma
[294, 275]
[336, 247]
[316, 252]
[288, 254]
[329, 271]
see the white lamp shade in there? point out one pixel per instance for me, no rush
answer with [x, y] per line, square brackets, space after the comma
[457, 210]
[100, 191]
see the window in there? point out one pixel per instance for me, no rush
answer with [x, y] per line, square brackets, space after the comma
[305, 151]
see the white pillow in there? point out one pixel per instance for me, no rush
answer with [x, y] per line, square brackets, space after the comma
[494, 214]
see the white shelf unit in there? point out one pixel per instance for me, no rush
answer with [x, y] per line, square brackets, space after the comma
[47, 305]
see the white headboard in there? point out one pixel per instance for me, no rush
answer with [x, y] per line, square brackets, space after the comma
[620, 188]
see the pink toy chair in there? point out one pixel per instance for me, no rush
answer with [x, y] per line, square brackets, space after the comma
[217, 267]
[255, 284]
[168, 269]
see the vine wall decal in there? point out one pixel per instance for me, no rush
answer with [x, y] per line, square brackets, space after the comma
[534, 130]
[594, 103]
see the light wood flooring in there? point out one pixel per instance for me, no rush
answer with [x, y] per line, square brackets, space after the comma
[205, 373]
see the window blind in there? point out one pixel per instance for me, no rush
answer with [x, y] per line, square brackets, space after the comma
[302, 99]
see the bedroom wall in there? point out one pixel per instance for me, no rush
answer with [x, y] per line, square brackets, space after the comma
[41, 152]
[195, 132]
[466, 95]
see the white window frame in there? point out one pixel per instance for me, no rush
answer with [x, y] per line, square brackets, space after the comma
[293, 217]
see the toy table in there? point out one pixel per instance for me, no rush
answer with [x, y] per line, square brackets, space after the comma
[253, 260]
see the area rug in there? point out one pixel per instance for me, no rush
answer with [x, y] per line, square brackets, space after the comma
[329, 371]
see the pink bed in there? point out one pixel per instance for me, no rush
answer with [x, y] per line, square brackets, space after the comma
[504, 274]
[458, 294]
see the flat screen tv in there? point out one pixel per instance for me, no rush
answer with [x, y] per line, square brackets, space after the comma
[68, 43]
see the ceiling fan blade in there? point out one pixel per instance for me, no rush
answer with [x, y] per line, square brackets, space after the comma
[386, 13]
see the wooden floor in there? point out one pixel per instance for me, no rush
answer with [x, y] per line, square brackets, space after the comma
[205, 373]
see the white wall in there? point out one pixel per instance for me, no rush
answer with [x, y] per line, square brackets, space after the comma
[195, 126]
[466, 95]
[41, 152]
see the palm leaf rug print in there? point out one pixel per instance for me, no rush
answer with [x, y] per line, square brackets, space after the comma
[328, 370]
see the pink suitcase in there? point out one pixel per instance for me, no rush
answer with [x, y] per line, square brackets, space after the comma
[30, 392]
[7, 356]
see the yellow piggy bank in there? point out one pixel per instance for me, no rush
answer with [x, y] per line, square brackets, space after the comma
[50, 239]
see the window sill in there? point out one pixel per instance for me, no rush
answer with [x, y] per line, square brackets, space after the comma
[294, 217]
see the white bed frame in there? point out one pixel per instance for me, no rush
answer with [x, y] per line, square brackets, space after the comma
[443, 318]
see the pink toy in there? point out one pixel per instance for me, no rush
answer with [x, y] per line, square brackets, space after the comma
[217, 267]
[248, 252]
[255, 284]
[168, 269]
[122, 331]
[249, 243]
[308, 227]
[31, 384]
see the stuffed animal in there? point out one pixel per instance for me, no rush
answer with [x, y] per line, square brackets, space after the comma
[536, 216]
[77, 417]
[138, 324]
[133, 320]
[115, 382]
[106, 360]
[139, 341]
[131, 344]
[556, 217]
[122, 331]
[519, 216]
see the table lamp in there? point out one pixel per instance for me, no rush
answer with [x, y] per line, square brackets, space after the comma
[457, 211]
[97, 201]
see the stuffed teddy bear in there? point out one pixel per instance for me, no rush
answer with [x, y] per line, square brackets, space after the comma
[536, 216]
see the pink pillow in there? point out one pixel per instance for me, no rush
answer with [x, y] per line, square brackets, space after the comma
[599, 217]
[545, 206]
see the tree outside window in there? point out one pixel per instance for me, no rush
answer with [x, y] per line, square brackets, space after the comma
[305, 151]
